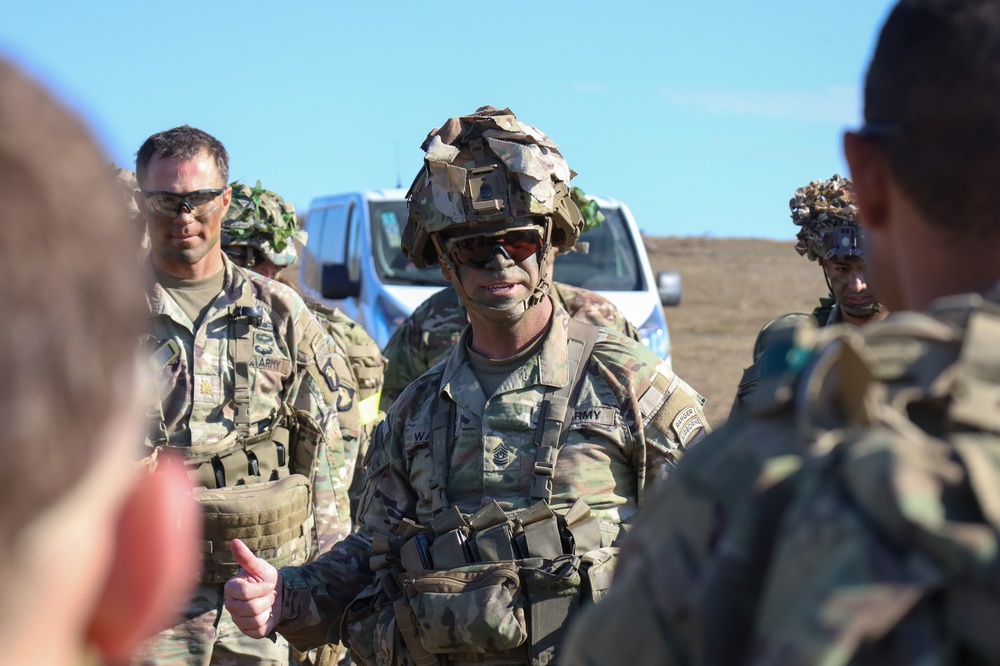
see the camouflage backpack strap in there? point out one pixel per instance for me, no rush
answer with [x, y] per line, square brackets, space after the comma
[442, 444]
[977, 373]
[244, 316]
[821, 313]
[555, 412]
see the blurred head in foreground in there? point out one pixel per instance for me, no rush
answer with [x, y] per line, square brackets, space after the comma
[93, 553]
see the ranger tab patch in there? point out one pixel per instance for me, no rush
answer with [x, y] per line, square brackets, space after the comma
[687, 424]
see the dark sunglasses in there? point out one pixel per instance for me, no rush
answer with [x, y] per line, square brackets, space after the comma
[477, 251]
[199, 202]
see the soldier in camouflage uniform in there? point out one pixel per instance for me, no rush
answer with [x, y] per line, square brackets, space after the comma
[499, 484]
[851, 517]
[830, 235]
[431, 331]
[260, 232]
[247, 393]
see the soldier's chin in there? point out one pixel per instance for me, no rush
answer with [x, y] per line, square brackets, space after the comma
[862, 311]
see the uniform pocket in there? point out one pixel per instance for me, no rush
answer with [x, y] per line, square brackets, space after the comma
[477, 609]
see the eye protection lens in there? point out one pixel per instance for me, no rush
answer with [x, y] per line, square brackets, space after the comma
[199, 202]
[477, 251]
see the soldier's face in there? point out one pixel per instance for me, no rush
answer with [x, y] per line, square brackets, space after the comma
[508, 275]
[849, 282]
[183, 239]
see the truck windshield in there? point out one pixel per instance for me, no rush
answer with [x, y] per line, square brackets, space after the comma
[610, 264]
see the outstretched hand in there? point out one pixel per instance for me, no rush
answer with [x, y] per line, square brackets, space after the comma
[253, 596]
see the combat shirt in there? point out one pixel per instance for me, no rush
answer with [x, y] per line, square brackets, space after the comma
[848, 515]
[632, 421]
[292, 360]
[428, 335]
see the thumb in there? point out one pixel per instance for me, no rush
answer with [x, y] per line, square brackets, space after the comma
[255, 567]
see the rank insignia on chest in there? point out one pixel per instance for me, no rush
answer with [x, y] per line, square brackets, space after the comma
[206, 389]
[501, 456]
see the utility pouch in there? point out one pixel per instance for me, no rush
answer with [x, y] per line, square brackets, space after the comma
[451, 549]
[597, 567]
[273, 518]
[369, 630]
[553, 592]
[476, 609]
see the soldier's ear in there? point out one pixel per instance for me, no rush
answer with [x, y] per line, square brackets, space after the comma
[155, 563]
[871, 178]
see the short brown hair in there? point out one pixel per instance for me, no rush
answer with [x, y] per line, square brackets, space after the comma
[185, 143]
[70, 300]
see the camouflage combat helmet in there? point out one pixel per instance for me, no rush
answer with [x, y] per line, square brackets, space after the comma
[828, 217]
[129, 186]
[485, 168]
[489, 170]
[262, 220]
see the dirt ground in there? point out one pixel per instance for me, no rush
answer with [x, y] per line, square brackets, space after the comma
[731, 287]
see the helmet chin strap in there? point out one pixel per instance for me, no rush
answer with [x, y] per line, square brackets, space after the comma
[866, 312]
[515, 311]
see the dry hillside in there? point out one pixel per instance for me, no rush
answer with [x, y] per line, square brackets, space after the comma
[731, 288]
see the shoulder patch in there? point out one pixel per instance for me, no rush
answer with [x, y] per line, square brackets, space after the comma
[687, 424]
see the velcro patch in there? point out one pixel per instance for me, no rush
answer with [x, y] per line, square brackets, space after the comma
[416, 435]
[687, 424]
[595, 415]
[279, 365]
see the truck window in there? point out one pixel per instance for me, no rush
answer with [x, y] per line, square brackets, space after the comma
[611, 264]
[333, 238]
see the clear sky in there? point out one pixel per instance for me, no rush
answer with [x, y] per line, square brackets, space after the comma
[702, 116]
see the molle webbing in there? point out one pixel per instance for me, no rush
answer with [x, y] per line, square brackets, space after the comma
[493, 535]
[554, 418]
[243, 317]
[274, 520]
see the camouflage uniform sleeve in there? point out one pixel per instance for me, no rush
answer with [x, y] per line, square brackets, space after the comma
[315, 596]
[662, 410]
[349, 416]
[318, 395]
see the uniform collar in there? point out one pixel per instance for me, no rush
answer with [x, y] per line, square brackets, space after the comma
[551, 360]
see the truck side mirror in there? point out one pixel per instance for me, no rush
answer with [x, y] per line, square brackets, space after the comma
[336, 284]
[668, 284]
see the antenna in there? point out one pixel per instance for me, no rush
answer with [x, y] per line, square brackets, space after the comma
[399, 179]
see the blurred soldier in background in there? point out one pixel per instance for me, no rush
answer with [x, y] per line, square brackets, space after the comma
[260, 232]
[853, 516]
[431, 331]
[830, 234]
[498, 485]
[129, 187]
[93, 556]
[247, 389]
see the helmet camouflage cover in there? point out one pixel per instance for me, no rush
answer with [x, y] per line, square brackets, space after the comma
[828, 217]
[261, 219]
[129, 186]
[483, 169]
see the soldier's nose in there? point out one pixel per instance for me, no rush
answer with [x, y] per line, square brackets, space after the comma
[500, 258]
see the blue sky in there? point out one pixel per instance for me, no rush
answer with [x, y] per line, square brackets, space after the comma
[702, 116]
